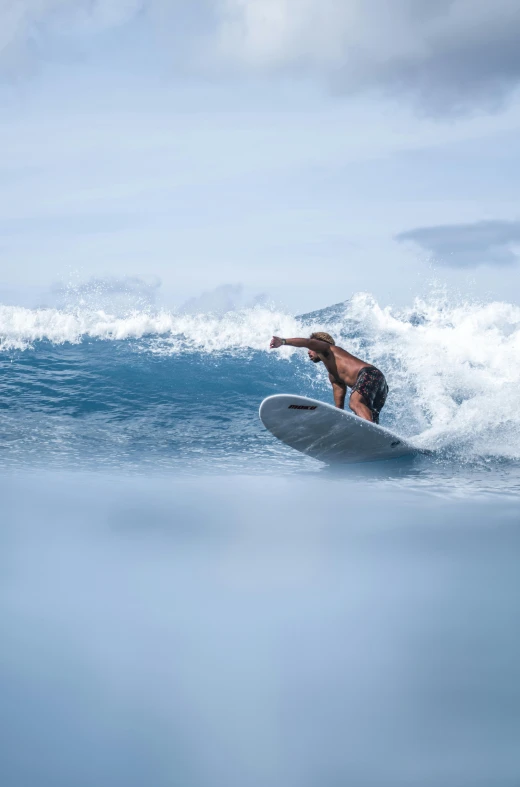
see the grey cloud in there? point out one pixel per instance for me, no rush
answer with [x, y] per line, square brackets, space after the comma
[448, 55]
[460, 74]
[21, 19]
[468, 245]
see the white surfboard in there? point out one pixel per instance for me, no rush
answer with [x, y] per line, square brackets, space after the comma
[327, 433]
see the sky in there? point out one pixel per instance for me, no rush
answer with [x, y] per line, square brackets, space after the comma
[216, 153]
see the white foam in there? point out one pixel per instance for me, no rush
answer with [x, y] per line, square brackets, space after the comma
[251, 328]
[453, 369]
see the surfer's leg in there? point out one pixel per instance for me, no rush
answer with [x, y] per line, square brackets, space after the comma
[363, 393]
[369, 393]
[358, 406]
[380, 399]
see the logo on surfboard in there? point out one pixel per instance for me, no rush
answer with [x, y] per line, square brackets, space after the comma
[302, 407]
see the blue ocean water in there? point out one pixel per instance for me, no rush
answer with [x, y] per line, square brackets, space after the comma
[186, 601]
[144, 389]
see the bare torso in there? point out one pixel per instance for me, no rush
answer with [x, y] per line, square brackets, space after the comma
[342, 366]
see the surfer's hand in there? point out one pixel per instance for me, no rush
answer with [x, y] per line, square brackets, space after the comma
[275, 342]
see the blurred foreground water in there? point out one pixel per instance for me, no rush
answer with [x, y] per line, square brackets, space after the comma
[299, 631]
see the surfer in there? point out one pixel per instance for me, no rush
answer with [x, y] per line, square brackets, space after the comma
[368, 384]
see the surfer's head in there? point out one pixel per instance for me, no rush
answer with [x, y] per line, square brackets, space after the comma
[322, 336]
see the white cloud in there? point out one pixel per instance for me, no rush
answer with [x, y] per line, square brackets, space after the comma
[329, 33]
[447, 54]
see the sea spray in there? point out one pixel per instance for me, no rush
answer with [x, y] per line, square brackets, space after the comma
[151, 382]
[252, 328]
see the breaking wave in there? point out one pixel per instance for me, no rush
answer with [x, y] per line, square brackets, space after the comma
[20, 328]
[453, 368]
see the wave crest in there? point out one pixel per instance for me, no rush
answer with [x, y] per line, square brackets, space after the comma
[21, 328]
[453, 369]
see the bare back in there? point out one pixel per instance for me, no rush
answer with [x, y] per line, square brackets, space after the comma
[343, 367]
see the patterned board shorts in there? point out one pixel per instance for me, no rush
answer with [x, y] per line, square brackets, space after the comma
[371, 384]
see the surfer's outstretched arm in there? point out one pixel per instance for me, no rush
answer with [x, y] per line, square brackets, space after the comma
[310, 344]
